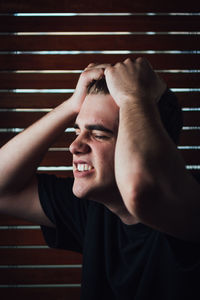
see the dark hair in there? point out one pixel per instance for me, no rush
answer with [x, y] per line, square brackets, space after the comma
[168, 106]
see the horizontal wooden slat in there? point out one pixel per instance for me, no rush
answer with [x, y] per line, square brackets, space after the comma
[99, 42]
[38, 81]
[40, 276]
[191, 118]
[69, 80]
[50, 100]
[100, 6]
[33, 100]
[80, 61]
[6, 220]
[20, 119]
[23, 119]
[64, 141]
[18, 256]
[188, 99]
[190, 138]
[61, 293]
[100, 23]
[57, 158]
[11, 237]
[191, 157]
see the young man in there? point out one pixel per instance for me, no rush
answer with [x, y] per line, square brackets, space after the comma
[134, 210]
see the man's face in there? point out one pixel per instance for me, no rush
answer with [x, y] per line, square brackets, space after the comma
[93, 149]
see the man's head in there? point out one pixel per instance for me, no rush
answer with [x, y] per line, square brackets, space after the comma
[96, 128]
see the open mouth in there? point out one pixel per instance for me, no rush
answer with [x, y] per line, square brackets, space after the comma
[82, 167]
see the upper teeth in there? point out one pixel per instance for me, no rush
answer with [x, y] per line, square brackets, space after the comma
[83, 167]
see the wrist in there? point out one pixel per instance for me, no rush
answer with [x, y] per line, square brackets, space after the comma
[71, 106]
[135, 101]
[138, 106]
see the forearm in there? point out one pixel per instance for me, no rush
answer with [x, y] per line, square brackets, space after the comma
[20, 157]
[144, 152]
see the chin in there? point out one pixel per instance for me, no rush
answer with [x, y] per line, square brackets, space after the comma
[96, 190]
[80, 190]
[83, 191]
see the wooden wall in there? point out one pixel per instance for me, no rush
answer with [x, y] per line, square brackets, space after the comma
[44, 45]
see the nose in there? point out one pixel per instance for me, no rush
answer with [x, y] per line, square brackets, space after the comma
[79, 146]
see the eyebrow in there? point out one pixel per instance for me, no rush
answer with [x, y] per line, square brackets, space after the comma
[98, 127]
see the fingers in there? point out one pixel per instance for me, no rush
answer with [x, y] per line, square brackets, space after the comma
[91, 73]
[138, 61]
[96, 66]
[88, 75]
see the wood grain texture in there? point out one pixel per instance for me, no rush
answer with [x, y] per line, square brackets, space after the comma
[19, 256]
[133, 23]
[14, 62]
[99, 42]
[9, 6]
[51, 100]
[69, 80]
[61, 293]
[40, 276]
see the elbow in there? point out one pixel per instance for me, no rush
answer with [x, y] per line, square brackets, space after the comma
[142, 198]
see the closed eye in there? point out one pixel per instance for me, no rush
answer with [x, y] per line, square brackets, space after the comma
[100, 136]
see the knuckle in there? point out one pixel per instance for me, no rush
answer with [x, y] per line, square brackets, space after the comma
[84, 74]
[128, 59]
[118, 64]
[91, 64]
[109, 69]
[141, 60]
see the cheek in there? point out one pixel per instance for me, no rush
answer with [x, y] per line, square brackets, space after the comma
[106, 160]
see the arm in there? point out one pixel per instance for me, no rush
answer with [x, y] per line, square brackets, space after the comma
[20, 157]
[150, 172]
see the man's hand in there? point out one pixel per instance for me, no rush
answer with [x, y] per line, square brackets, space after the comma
[135, 79]
[90, 73]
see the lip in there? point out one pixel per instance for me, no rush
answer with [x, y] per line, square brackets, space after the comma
[81, 162]
[78, 174]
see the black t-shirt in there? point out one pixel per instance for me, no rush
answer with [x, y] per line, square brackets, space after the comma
[120, 261]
